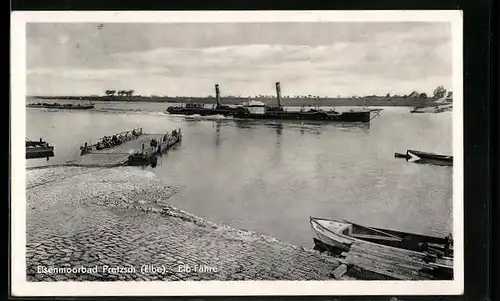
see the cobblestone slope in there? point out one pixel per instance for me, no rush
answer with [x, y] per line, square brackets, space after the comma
[109, 218]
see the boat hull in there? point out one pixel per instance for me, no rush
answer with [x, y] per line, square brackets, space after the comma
[329, 240]
[39, 153]
[201, 111]
[407, 241]
[431, 158]
[320, 116]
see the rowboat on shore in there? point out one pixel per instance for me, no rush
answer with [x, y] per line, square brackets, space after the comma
[38, 149]
[425, 157]
[340, 234]
[390, 253]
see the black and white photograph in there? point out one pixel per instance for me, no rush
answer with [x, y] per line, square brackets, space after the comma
[220, 153]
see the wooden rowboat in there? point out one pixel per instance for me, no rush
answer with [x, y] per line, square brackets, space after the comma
[425, 157]
[340, 234]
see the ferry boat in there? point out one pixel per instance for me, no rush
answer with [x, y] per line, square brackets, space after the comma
[199, 109]
[341, 234]
[258, 110]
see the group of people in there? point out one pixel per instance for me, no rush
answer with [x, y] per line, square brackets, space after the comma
[157, 145]
[117, 139]
[111, 141]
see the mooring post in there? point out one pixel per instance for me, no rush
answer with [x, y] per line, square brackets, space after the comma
[217, 95]
[278, 93]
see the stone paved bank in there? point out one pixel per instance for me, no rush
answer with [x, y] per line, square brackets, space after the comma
[119, 217]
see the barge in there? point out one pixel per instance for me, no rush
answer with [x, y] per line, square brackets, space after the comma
[56, 105]
[127, 148]
[38, 149]
[112, 141]
[425, 157]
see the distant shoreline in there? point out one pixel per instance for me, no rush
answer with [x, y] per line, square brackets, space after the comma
[286, 101]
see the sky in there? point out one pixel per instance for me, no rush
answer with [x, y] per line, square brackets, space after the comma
[246, 59]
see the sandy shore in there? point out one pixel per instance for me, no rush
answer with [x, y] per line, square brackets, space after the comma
[117, 224]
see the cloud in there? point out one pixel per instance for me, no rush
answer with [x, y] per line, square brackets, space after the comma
[399, 60]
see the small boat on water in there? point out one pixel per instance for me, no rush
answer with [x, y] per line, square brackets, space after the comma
[56, 105]
[38, 149]
[439, 108]
[341, 234]
[425, 157]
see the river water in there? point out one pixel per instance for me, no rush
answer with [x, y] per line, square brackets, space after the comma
[270, 176]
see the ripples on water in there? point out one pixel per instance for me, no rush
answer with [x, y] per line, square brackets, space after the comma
[270, 176]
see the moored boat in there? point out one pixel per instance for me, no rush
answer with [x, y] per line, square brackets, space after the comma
[38, 149]
[341, 234]
[438, 108]
[383, 254]
[425, 157]
[57, 105]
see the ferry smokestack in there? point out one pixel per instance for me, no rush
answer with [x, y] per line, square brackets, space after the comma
[217, 95]
[278, 93]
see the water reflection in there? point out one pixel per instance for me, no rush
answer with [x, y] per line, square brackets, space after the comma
[217, 133]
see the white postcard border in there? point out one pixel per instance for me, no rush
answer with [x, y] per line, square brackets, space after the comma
[20, 286]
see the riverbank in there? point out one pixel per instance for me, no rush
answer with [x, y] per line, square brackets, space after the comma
[120, 218]
[287, 101]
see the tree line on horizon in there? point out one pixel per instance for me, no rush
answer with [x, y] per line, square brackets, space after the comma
[119, 93]
[438, 93]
